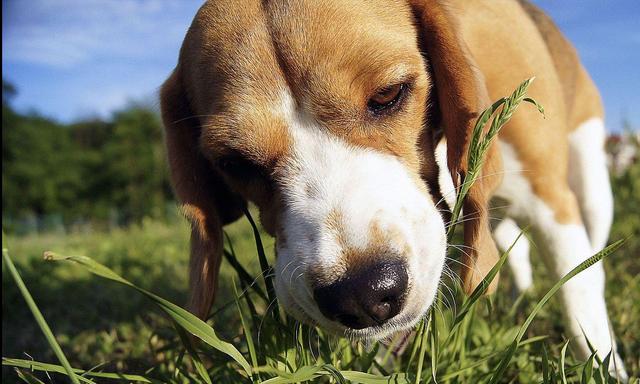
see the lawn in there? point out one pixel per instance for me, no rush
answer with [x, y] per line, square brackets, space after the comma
[97, 321]
[102, 323]
[104, 326]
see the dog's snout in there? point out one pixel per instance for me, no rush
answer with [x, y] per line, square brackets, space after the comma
[366, 297]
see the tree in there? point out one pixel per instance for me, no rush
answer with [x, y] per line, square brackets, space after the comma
[86, 170]
[135, 162]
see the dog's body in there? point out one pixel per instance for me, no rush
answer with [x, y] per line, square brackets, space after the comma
[344, 121]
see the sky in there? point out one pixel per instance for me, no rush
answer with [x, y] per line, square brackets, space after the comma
[75, 59]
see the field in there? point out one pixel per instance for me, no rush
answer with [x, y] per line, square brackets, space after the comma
[107, 327]
[102, 323]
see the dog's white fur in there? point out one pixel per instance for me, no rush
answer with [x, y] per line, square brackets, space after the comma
[563, 246]
[445, 181]
[505, 234]
[589, 180]
[325, 175]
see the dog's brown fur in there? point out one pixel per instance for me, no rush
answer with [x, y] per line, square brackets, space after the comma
[236, 60]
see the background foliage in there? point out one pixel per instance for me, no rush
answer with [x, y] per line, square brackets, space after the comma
[93, 172]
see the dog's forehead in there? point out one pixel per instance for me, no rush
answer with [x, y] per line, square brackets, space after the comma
[325, 38]
[341, 50]
[263, 45]
[328, 56]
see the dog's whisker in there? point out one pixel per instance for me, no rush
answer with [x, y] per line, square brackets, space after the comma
[488, 209]
[463, 246]
[473, 267]
[284, 269]
[438, 309]
[443, 283]
[443, 297]
[453, 277]
[309, 293]
[463, 251]
[470, 218]
[266, 314]
[292, 272]
[191, 117]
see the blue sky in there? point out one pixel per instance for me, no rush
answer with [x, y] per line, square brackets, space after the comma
[74, 59]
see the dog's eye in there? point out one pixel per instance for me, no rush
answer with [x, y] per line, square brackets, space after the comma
[386, 98]
[239, 167]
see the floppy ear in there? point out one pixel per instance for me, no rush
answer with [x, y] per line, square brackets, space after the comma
[460, 97]
[204, 198]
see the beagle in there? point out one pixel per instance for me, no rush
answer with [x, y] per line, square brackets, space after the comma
[343, 122]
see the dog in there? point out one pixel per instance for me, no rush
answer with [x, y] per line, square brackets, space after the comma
[347, 124]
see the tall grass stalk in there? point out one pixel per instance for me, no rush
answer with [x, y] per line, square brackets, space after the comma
[481, 141]
[42, 323]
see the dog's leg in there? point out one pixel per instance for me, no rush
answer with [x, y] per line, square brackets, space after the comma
[551, 208]
[589, 179]
[564, 246]
[505, 234]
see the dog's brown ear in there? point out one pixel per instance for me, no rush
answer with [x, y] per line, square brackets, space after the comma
[461, 96]
[204, 198]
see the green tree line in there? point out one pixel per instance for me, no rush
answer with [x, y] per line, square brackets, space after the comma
[103, 172]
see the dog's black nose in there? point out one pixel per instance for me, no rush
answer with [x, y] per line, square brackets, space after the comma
[365, 297]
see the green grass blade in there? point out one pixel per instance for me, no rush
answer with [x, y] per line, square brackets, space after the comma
[480, 290]
[479, 143]
[367, 378]
[246, 329]
[581, 267]
[587, 371]
[244, 276]
[46, 367]
[545, 365]
[538, 105]
[264, 264]
[523, 328]
[27, 377]
[309, 373]
[42, 323]
[482, 287]
[302, 374]
[390, 348]
[474, 152]
[592, 348]
[184, 318]
[563, 354]
[458, 372]
[201, 370]
[417, 338]
[604, 367]
[335, 374]
[534, 339]
[510, 106]
[504, 362]
[423, 346]
[435, 347]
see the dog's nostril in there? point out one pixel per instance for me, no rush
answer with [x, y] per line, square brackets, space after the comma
[366, 297]
[381, 311]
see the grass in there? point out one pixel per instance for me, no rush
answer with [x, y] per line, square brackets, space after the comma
[99, 322]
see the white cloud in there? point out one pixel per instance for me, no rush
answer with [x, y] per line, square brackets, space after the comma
[65, 33]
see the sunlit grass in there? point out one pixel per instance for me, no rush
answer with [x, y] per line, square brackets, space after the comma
[249, 339]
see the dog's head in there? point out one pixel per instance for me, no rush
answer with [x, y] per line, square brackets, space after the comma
[324, 114]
